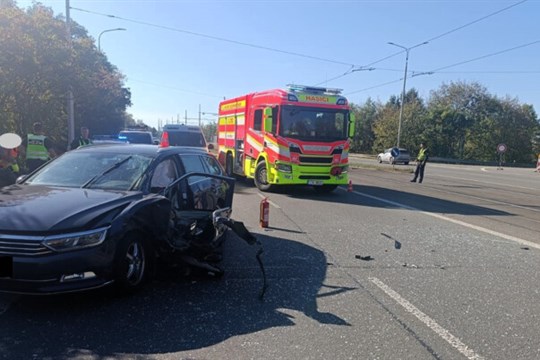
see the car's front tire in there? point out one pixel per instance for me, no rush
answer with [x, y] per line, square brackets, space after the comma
[134, 263]
[379, 159]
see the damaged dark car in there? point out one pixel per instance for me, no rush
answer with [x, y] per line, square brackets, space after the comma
[108, 214]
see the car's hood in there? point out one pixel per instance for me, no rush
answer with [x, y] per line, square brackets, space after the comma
[44, 209]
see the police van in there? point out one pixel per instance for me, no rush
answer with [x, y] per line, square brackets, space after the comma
[183, 135]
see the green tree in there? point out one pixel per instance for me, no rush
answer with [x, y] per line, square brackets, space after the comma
[366, 115]
[386, 125]
[37, 66]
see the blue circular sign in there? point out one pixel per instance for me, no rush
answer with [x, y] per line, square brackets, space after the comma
[394, 152]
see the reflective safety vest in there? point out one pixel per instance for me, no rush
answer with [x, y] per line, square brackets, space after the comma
[422, 154]
[84, 142]
[35, 148]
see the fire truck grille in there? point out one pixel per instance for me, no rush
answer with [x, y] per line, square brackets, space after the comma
[16, 245]
[315, 160]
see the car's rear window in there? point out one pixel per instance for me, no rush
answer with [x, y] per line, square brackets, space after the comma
[185, 138]
[136, 137]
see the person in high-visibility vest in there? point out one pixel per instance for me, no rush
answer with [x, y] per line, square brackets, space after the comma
[39, 148]
[82, 140]
[421, 159]
[9, 168]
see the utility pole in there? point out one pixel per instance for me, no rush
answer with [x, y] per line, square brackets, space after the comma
[185, 118]
[70, 100]
[199, 114]
[407, 49]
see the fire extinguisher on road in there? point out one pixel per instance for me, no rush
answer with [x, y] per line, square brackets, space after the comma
[264, 216]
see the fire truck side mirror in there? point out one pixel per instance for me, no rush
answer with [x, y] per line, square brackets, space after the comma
[268, 119]
[352, 120]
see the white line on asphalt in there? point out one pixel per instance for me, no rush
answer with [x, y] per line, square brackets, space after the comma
[458, 222]
[484, 182]
[430, 323]
[271, 202]
[492, 201]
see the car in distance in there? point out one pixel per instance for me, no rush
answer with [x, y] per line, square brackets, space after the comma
[136, 137]
[101, 215]
[394, 156]
[184, 135]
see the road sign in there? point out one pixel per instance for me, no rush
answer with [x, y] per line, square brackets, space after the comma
[501, 148]
[394, 152]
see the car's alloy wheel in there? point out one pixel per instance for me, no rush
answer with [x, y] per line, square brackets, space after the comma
[134, 263]
[261, 177]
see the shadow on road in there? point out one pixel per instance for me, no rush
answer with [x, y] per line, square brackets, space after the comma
[370, 195]
[174, 314]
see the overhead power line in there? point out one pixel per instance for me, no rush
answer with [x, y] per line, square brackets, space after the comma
[436, 37]
[450, 66]
[212, 37]
[486, 56]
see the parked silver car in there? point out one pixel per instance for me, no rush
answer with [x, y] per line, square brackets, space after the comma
[394, 156]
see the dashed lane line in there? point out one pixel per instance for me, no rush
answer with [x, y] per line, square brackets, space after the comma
[429, 322]
[458, 222]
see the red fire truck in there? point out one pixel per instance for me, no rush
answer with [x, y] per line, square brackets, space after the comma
[299, 135]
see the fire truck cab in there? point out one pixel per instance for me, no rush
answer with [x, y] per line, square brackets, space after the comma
[299, 135]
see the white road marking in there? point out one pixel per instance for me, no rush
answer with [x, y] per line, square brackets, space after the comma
[429, 322]
[458, 222]
[271, 202]
[492, 201]
[484, 181]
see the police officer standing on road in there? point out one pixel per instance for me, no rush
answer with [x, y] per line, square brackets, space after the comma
[82, 140]
[39, 148]
[421, 159]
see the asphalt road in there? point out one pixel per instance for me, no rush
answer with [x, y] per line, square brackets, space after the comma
[446, 269]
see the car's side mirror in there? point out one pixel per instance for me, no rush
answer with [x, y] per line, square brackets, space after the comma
[21, 178]
[210, 146]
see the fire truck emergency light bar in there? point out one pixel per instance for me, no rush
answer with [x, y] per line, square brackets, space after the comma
[313, 89]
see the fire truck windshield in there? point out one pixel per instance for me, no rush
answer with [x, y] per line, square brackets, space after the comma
[313, 124]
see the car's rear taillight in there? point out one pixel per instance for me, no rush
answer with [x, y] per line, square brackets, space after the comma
[164, 140]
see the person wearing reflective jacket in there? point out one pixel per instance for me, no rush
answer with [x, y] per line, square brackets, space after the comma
[421, 159]
[39, 148]
[82, 140]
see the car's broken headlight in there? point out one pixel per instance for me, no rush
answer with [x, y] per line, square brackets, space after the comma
[76, 241]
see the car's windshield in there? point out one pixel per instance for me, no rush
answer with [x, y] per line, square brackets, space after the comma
[96, 170]
[312, 124]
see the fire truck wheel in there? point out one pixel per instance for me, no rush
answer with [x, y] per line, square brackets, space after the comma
[261, 177]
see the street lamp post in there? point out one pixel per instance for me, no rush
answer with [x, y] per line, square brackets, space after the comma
[104, 31]
[407, 49]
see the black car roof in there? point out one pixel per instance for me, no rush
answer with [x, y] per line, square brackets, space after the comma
[142, 149]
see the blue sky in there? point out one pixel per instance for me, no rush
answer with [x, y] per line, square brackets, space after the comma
[181, 55]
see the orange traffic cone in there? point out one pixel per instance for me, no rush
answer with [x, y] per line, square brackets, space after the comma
[349, 189]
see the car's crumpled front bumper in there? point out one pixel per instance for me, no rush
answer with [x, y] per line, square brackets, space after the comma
[56, 272]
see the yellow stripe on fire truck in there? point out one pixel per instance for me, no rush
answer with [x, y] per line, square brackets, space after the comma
[232, 106]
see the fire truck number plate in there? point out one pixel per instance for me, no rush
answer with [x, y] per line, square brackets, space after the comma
[315, 182]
